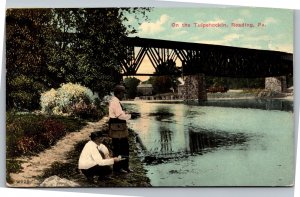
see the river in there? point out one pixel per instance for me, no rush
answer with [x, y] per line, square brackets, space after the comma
[217, 143]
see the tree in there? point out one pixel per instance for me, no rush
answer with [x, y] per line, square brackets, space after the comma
[47, 47]
[131, 84]
[26, 56]
[94, 46]
[234, 83]
[87, 47]
[162, 84]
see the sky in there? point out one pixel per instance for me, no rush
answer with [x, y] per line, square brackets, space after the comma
[247, 27]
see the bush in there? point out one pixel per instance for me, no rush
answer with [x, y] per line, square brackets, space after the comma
[23, 93]
[71, 100]
[25, 145]
[29, 133]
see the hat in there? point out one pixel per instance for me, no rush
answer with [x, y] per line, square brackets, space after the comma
[97, 134]
[119, 88]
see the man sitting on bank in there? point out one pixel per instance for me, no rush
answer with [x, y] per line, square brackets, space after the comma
[95, 160]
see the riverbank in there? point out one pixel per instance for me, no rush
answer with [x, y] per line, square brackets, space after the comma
[62, 160]
[231, 94]
[217, 96]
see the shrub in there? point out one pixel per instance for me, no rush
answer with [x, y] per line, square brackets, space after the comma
[29, 133]
[25, 145]
[53, 130]
[71, 100]
[23, 93]
[48, 101]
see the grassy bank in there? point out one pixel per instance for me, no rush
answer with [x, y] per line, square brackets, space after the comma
[28, 134]
[69, 170]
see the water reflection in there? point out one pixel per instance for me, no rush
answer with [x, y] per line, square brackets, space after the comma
[173, 131]
[162, 113]
[165, 141]
[200, 142]
[196, 141]
[204, 141]
[165, 132]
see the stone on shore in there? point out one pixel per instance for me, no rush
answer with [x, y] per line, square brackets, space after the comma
[55, 181]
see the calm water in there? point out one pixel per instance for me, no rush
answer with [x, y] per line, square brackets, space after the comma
[226, 143]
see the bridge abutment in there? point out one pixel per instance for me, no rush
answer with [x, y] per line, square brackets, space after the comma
[276, 84]
[194, 88]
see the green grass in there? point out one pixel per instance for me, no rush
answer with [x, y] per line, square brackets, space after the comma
[28, 134]
[12, 166]
[69, 170]
[28, 125]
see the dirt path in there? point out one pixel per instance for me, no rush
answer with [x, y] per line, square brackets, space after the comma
[35, 166]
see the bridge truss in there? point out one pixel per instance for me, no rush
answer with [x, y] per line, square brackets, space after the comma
[210, 60]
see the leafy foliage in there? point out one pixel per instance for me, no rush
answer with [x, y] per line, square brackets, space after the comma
[163, 84]
[71, 99]
[234, 83]
[24, 138]
[168, 68]
[48, 47]
[90, 46]
[26, 35]
[131, 84]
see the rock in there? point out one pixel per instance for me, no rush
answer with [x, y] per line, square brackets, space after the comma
[55, 181]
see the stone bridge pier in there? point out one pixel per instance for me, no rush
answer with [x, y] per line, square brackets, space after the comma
[276, 84]
[194, 88]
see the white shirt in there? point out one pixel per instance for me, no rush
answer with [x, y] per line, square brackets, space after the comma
[90, 156]
[115, 109]
[104, 150]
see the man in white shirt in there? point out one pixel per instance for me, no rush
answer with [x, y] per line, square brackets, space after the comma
[115, 108]
[94, 159]
[118, 115]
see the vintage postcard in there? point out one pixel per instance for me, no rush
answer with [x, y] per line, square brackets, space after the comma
[149, 97]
